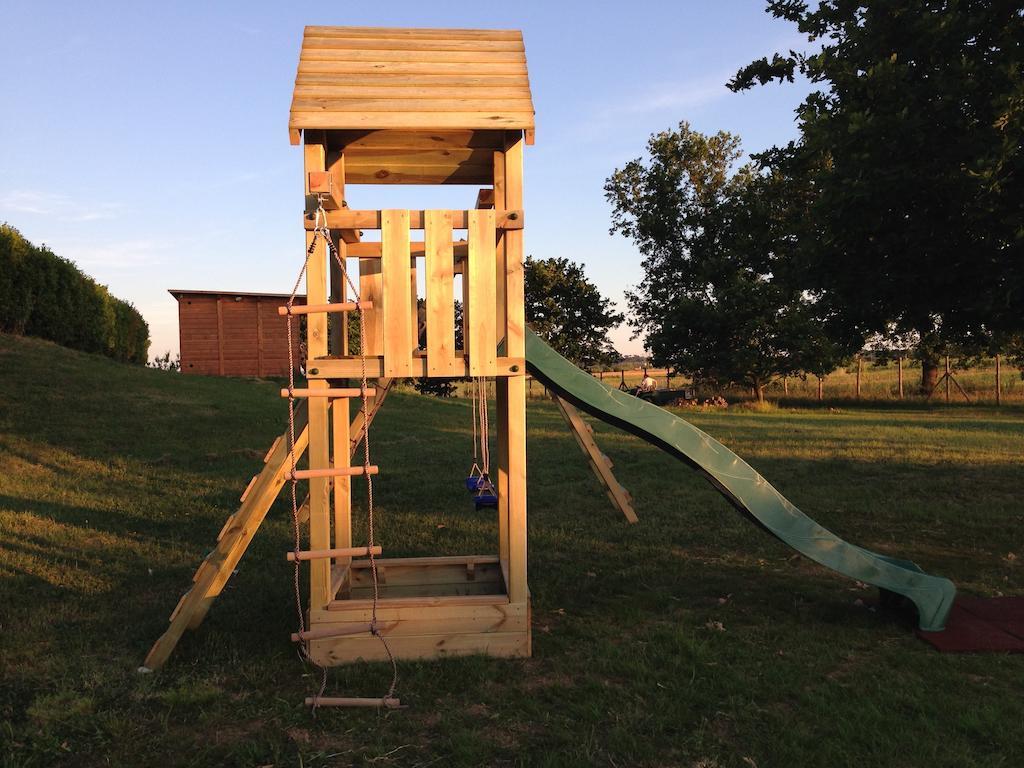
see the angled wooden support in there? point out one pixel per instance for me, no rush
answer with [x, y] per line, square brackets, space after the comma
[599, 463]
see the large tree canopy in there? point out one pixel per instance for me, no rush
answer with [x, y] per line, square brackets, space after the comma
[568, 311]
[720, 299]
[912, 147]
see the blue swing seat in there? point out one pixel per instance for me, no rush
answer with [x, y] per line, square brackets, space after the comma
[486, 499]
[485, 495]
[473, 483]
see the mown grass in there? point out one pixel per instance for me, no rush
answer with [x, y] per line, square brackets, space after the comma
[114, 482]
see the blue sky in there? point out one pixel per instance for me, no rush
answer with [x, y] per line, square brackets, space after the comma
[148, 141]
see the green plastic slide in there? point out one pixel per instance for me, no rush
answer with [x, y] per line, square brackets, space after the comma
[741, 485]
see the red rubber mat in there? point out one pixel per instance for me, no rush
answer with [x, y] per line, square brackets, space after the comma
[981, 625]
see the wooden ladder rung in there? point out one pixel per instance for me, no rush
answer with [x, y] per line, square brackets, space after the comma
[273, 447]
[323, 554]
[309, 474]
[344, 392]
[227, 526]
[334, 701]
[177, 608]
[202, 567]
[248, 488]
[306, 309]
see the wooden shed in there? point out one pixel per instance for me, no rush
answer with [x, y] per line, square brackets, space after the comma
[233, 334]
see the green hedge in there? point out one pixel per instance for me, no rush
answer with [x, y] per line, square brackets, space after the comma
[44, 295]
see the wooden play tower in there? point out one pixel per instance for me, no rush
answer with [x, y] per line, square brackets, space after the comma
[424, 107]
[399, 106]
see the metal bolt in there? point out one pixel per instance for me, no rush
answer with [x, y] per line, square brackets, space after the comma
[514, 369]
[314, 371]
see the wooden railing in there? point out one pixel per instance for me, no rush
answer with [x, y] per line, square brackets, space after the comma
[393, 321]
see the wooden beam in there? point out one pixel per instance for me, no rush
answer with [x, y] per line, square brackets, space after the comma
[348, 219]
[371, 250]
[485, 197]
[351, 367]
[599, 463]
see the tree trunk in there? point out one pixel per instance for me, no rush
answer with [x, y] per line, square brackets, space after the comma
[929, 374]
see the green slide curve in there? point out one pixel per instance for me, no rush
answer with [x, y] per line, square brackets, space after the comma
[741, 485]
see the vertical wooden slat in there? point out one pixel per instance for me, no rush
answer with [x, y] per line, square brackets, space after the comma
[395, 277]
[319, 427]
[515, 419]
[438, 266]
[372, 335]
[482, 344]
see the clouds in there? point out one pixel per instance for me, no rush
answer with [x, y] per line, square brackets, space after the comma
[121, 254]
[15, 204]
[686, 94]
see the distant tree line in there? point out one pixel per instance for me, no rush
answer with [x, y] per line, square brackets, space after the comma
[896, 219]
[44, 295]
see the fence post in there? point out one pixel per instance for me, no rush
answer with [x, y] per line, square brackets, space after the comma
[947, 378]
[785, 385]
[859, 364]
[999, 381]
[899, 368]
[820, 380]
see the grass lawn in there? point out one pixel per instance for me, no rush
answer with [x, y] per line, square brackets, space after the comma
[691, 639]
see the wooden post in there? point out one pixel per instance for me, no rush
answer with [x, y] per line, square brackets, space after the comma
[820, 380]
[860, 363]
[899, 369]
[319, 427]
[514, 420]
[785, 385]
[947, 378]
[999, 382]
[500, 391]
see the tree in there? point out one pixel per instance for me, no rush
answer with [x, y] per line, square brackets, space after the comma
[568, 311]
[432, 385]
[913, 147]
[720, 299]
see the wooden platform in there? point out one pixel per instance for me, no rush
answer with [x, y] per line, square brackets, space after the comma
[429, 607]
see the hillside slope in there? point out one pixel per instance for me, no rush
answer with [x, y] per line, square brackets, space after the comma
[688, 638]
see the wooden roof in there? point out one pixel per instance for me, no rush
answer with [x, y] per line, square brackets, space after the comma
[414, 79]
